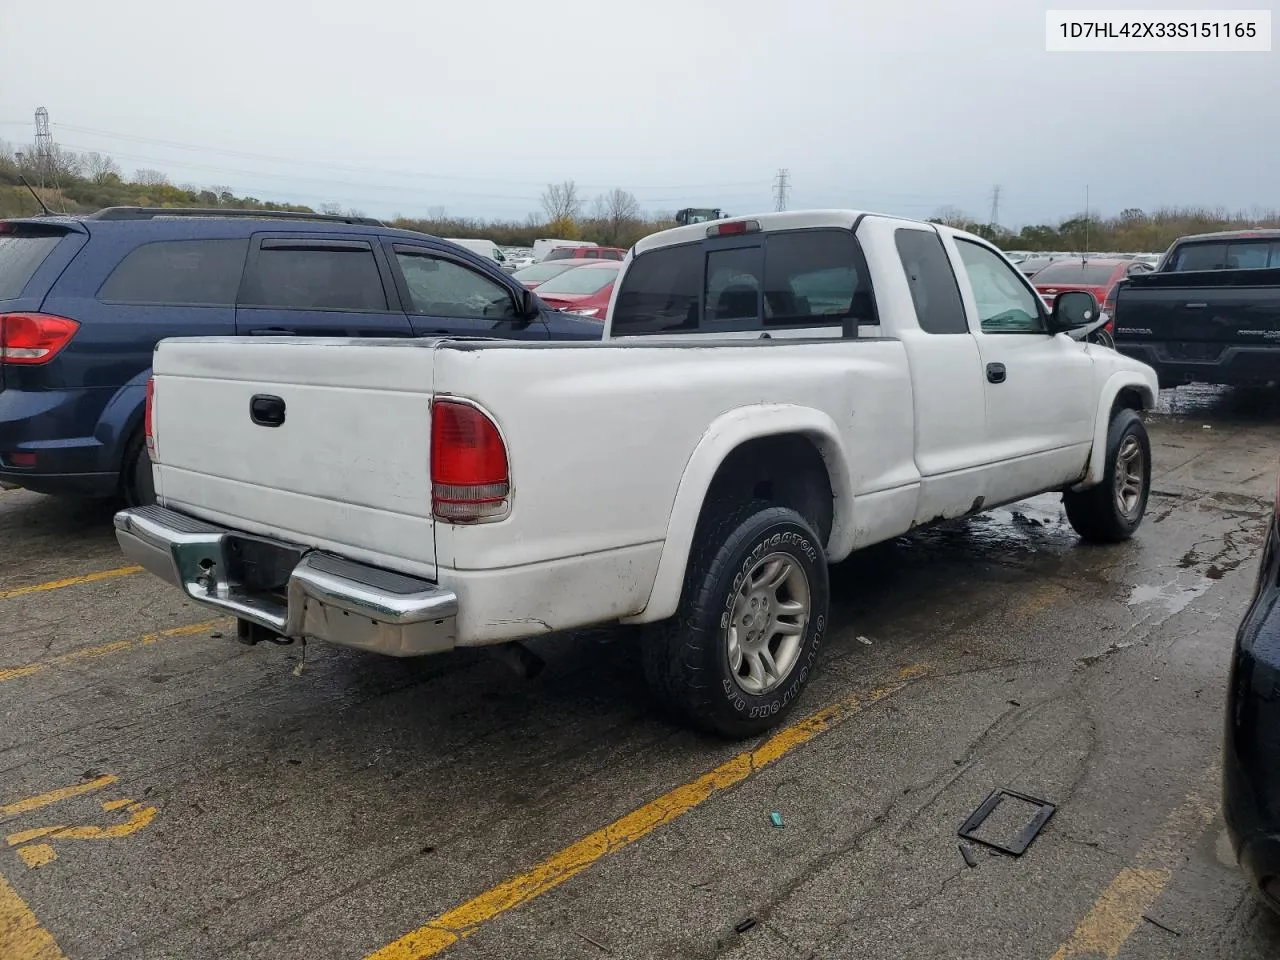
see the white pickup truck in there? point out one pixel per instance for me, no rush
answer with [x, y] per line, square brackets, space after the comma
[770, 395]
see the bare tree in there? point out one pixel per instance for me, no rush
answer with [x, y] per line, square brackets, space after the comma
[354, 213]
[150, 178]
[99, 167]
[331, 209]
[562, 205]
[437, 214]
[952, 217]
[616, 210]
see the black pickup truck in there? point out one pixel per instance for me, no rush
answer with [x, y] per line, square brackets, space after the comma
[1210, 313]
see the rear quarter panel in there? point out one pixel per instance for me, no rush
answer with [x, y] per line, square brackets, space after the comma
[600, 436]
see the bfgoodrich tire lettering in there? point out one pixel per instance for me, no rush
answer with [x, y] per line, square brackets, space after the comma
[743, 552]
[1111, 511]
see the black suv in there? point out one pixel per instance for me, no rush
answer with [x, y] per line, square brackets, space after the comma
[83, 301]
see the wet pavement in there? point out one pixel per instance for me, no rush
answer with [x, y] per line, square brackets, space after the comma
[165, 792]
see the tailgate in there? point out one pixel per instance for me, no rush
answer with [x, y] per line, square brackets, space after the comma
[1213, 309]
[346, 469]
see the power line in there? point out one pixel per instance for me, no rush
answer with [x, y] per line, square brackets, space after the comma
[348, 168]
[316, 185]
[780, 186]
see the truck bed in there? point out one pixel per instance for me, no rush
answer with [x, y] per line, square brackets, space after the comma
[598, 438]
[1211, 326]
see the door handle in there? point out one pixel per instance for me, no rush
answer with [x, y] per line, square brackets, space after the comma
[1196, 306]
[995, 373]
[272, 332]
[266, 410]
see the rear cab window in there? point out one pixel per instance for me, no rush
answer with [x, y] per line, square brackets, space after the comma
[783, 279]
[23, 249]
[1246, 254]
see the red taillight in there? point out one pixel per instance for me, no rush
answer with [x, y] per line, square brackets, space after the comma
[470, 479]
[33, 338]
[149, 418]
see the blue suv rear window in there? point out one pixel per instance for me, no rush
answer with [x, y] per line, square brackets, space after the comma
[21, 253]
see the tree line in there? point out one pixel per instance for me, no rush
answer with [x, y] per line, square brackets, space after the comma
[70, 182]
[83, 182]
[1131, 231]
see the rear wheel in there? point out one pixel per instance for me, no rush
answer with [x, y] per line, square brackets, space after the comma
[1112, 510]
[137, 483]
[745, 639]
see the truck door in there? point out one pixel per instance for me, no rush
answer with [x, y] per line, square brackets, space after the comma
[946, 376]
[1040, 394]
[309, 285]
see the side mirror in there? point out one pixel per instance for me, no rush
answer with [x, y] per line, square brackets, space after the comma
[1072, 310]
[528, 305]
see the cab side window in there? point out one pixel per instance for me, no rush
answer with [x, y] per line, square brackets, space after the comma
[1005, 303]
[934, 291]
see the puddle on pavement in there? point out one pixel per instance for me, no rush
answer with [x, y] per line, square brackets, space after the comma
[1026, 527]
[1172, 597]
[1218, 403]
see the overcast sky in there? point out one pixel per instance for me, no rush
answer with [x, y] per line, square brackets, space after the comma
[389, 106]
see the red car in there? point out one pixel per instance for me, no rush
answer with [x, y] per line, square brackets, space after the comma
[537, 274]
[584, 291]
[585, 253]
[1098, 277]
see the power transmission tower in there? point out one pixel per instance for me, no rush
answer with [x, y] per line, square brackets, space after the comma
[44, 143]
[781, 184]
[995, 206]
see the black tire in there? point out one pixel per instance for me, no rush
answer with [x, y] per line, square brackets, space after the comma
[1098, 513]
[687, 658]
[137, 482]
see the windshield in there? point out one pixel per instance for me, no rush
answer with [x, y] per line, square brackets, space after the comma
[1074, 271]
[581, 281]
[539, 272]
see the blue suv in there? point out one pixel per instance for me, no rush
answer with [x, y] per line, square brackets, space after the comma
[84, 300]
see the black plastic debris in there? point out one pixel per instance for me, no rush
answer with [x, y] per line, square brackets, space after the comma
[1018, 845]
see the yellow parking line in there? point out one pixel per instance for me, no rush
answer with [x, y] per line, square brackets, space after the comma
[462, 921]
[21, 936]
[69, 582]
[104, 649]
[1130, 894]
[56, 796]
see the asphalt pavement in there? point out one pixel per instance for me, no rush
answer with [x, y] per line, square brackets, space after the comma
[167, 792]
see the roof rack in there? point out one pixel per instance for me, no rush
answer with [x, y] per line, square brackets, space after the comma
[152, 213]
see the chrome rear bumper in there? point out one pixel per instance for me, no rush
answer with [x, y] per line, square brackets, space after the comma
[314, 594]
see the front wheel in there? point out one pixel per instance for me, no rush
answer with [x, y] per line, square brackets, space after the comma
[745, 639]
[1112, 510]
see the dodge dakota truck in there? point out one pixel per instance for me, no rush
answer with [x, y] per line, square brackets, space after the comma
[771, 394]
[1210, 313]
